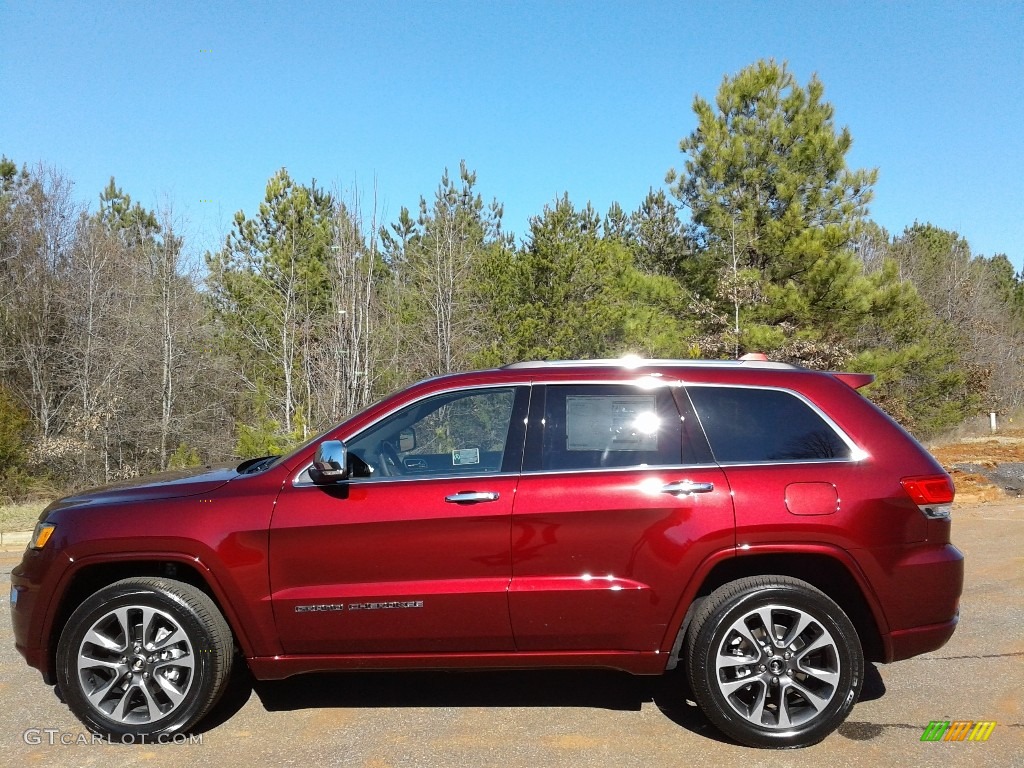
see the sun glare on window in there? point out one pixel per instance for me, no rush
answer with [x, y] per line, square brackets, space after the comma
[646, 423]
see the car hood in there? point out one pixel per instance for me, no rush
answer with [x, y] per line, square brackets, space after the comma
[165, 485]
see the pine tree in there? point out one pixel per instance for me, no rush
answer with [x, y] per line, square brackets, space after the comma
[775, 206]
[572, 292]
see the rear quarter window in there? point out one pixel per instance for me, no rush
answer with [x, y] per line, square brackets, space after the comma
[746, 425]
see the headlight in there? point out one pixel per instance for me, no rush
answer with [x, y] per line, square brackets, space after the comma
[41, 535]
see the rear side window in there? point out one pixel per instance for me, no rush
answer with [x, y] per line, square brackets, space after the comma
[756, 425]
[591, 426]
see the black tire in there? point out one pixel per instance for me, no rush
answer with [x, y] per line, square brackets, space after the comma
[787, 690]
[144, 657]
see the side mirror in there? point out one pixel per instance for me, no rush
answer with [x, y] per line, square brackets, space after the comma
[406, 439]
[330, 462]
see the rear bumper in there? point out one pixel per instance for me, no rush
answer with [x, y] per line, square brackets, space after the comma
[918, 590]
[905, 643]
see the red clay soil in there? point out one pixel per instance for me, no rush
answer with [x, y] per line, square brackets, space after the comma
[988, 451]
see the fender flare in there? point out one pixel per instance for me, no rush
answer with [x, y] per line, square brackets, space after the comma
[208, 575]
[689, 600]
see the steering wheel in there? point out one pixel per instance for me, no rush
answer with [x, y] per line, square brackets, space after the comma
[390, 464]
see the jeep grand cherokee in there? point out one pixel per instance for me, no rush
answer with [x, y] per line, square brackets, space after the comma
[763, 526]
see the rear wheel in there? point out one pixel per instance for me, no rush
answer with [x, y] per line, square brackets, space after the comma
[774, 662]
[144, 657]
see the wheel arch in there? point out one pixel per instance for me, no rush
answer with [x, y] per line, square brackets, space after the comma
[90, 577]
[824, 569]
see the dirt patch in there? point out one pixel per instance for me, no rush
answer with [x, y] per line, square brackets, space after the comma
[975, 489]
[985, 469]
[993, 449]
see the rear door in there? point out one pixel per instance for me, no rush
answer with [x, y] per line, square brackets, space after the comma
[618, 503]
[412, 553]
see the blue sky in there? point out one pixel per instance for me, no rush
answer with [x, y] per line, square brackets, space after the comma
[203, 101]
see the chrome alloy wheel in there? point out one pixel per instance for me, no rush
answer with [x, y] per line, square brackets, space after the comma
[136, 664]
[777, 667]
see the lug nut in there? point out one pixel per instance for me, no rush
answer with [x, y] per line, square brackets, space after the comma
[761, 667]
[775, 681]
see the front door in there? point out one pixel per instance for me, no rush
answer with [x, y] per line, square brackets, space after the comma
[411, 554]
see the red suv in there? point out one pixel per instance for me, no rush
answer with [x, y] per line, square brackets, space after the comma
[763, 526]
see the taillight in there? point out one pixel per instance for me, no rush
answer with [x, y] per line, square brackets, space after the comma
[933, 494]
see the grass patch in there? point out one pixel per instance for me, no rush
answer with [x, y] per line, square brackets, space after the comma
[21, 516]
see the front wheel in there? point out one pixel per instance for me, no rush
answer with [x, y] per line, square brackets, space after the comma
[144, 657]
[774, 662]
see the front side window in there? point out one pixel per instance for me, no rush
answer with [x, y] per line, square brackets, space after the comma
[746, 425]
[455, 433]
[591, 426]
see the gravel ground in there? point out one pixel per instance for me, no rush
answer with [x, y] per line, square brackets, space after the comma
[1009, 476]
[533, 719]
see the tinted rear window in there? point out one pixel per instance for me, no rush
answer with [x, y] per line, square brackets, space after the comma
[753, 425]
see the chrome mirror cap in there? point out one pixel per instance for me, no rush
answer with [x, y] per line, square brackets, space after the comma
[330, 462]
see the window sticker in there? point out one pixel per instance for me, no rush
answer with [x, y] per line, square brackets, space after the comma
[611, 422]
[466, 456]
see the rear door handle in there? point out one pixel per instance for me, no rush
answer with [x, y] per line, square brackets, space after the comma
[471, 497]
[686, 487]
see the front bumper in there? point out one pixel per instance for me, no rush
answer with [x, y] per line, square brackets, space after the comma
[33, 584]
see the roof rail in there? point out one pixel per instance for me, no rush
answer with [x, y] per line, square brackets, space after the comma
[638, 362]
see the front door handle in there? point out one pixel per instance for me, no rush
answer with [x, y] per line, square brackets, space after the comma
[471, 497]
[687, 487]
